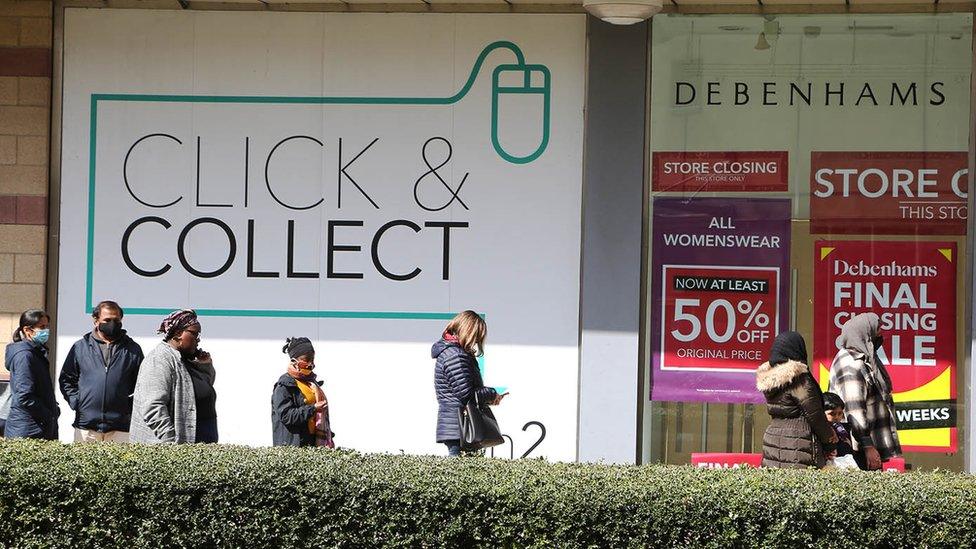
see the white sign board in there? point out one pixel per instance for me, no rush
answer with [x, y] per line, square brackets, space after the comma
[352, 178]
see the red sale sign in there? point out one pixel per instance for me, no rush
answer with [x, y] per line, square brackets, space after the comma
[912, 288]
[738, 171]
[725, 461]
[722, 318]
[888, 193]
[894, 465]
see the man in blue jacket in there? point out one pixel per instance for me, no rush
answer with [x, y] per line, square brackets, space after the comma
[99, 377]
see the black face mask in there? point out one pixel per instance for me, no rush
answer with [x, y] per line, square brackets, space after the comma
[111, 329]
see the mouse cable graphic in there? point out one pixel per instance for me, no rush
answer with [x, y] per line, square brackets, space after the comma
[520, 67]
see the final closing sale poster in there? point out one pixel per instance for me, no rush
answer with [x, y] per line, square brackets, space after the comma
[911, 286]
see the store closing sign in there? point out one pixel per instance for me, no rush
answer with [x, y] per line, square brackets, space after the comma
[888, 193]
[719, 292]
[912, 288]
[739, 171]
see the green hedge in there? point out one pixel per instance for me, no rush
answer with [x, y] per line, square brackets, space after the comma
[54, 495]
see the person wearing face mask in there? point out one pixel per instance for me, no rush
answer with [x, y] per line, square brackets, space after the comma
[861, 380]
[169, 404]
[299, 408]
[33, 410]
[99, 376]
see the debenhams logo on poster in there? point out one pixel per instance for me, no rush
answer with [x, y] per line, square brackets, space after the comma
[861, 268]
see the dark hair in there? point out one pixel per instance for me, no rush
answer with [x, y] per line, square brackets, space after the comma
[28, 319]
[110, 305]
[832, 400]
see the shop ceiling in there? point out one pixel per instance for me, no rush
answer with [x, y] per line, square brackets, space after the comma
[671, 6]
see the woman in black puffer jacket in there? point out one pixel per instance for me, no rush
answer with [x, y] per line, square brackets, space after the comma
[457, 378]
[799, 435]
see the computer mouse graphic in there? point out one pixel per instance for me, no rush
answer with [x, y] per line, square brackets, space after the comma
[535, 80]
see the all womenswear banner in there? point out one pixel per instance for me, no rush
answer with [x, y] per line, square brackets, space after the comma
[720, 294]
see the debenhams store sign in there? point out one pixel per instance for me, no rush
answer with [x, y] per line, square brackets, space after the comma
[830, 93]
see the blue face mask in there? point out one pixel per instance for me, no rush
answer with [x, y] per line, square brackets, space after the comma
[40, 336]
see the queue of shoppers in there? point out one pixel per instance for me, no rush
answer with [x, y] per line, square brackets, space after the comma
[168, 396]
[117, 394]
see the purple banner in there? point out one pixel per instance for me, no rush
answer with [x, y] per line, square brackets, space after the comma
[720, 281]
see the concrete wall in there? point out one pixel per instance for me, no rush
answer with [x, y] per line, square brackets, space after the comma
[613, 203]
[25, 122]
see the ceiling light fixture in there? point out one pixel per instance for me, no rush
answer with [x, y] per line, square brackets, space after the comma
[623, 12]
[769, 33]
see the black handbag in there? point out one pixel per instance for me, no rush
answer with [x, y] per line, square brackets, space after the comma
[479, 428]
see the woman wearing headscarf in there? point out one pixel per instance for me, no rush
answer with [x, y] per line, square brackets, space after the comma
[861, 380]
[33, 408]
[299, 408]
[174, 399]
[799, 435]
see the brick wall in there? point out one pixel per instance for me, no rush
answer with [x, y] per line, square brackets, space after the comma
[25, 124]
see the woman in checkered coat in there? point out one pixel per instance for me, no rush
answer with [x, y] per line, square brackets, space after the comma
[860, 378]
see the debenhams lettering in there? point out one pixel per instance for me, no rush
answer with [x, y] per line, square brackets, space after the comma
[827, 94]
[861, 268]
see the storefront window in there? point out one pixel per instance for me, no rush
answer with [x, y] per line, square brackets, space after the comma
[805, 168]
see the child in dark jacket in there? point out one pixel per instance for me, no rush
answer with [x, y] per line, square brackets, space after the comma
[834, 410]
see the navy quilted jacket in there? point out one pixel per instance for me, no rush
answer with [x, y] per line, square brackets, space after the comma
[456, 379]
[33, 409]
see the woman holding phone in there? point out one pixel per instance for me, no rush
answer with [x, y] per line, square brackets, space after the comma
[457, 378]
[174, 399]
[299, 407]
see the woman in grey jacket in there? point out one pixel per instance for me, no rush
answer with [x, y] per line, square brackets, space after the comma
[164, 405]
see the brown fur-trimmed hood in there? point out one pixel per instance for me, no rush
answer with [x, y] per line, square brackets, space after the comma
[769, 378]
